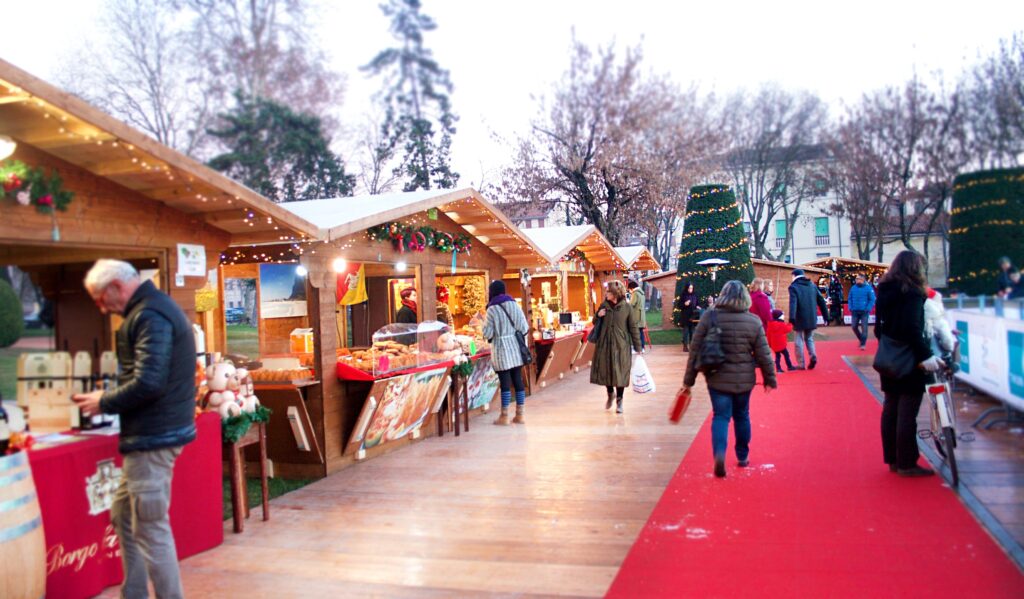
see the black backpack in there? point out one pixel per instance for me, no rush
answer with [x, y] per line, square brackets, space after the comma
[711, 356]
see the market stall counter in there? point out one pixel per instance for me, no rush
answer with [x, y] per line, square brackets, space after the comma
[555, 356]
[76, 475]
[406, 376]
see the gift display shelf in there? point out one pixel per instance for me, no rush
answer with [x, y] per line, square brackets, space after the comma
[350, 373]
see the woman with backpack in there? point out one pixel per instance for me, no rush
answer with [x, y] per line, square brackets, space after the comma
[505, 320]
[728, 345]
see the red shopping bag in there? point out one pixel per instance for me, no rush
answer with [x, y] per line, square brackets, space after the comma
[679, 405]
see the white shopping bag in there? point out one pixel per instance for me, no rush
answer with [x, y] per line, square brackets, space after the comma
[641, 377]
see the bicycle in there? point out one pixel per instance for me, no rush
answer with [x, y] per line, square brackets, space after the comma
[942, 429]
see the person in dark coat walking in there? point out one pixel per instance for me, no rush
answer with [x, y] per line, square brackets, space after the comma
[612, 358]
[899, 314]
[746, 348]
[1003, 285]
[155, 398]
[804, 303]
[835, 301]
[688, 310]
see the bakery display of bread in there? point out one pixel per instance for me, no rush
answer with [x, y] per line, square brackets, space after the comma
[267, 375]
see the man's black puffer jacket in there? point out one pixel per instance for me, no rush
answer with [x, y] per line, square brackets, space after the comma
[156, 393]
[804, 302]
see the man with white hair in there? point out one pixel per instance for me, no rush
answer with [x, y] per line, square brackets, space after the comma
[155, 399]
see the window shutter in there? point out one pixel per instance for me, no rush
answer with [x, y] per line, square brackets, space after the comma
[821, 226]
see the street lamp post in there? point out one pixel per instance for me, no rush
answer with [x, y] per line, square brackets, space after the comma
[713, 264]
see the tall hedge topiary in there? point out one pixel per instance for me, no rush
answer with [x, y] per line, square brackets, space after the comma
[987, 222]
[713, 229]
[12, 323]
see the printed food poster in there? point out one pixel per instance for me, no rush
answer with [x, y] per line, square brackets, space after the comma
[282, 291]
[404, 404]
[483, 383]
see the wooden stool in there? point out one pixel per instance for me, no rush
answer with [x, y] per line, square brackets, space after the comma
[257, 434]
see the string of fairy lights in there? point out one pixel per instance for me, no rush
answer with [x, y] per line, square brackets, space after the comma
[722, 229]
[974, 274]
[277, 254]
[989, 181]
[68, 127]
[709, 192]
[986, 224]
[978, 206]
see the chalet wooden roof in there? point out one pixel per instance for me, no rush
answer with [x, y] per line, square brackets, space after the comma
[341, 217]
[638, 257]
[846, 264]
[36, 113]
[559, 241]
[788, 266]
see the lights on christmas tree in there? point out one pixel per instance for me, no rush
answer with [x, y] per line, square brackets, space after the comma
[988, 223]
[986, 204]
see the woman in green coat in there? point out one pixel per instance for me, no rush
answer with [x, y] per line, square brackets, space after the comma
[612, 358]
[638, 301]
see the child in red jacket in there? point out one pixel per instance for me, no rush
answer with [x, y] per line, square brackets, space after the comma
[777, 331]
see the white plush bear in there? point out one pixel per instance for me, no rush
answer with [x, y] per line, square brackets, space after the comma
[220, 378]
[244, 395]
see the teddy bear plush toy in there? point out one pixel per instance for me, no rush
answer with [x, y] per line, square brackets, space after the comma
[449, 345]
[242, 385]
[221, 398]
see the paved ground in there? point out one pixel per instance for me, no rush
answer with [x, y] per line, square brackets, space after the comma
[551, 508]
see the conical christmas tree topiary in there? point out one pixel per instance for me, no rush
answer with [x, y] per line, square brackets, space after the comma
[713, 229]
[985, 224]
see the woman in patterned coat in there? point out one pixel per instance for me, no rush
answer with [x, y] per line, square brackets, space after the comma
[505, 320]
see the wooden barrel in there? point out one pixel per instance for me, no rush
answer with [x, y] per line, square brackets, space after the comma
[22, 546]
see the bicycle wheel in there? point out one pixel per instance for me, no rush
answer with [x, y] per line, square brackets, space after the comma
[936, 429]
[949, 440]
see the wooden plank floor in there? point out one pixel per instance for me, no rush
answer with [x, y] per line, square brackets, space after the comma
[991, 467]
[549, 509]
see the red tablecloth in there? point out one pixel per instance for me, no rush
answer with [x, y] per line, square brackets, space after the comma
[83, 555]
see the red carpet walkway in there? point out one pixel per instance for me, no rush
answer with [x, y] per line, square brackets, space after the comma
[816, 515]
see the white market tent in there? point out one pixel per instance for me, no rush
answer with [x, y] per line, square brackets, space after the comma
[340, 217]
[559, 241]
[638, 257]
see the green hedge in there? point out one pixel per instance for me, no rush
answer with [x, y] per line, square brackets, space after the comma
[713, 229]
[12, 323]
[987, 221]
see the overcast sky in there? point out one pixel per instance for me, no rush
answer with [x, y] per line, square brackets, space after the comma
[504, 54]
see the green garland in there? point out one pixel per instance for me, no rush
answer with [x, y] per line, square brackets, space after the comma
[464, 369]
[417, 239]
[573, 255]
[31, 186]
[234, 428]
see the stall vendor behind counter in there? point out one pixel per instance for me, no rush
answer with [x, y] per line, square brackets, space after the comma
[407, 313]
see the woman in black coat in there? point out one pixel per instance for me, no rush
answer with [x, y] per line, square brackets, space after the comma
[688, 314]
[900, 316]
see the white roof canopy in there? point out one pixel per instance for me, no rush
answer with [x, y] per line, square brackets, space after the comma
[341, 217]
[638, 257]
[558, 241]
